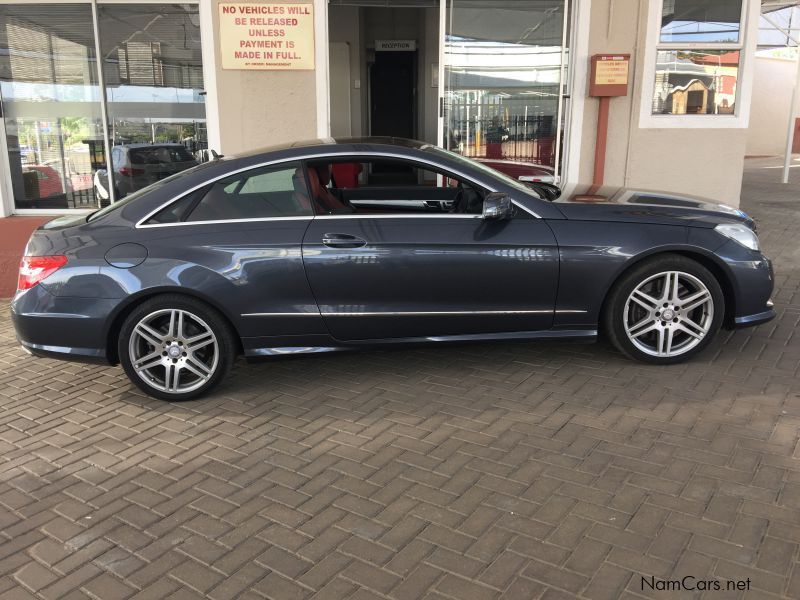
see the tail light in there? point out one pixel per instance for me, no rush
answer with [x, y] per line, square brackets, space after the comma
[33, 269]
[129, 172]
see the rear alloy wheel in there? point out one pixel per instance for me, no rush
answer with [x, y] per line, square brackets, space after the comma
[175, 348]
[665, 311]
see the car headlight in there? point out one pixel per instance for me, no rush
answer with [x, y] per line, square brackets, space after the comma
[740, 234]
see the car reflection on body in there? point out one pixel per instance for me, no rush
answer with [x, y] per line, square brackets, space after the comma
[263, 255]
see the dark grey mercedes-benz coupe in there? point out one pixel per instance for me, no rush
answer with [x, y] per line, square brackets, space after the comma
[329, 245]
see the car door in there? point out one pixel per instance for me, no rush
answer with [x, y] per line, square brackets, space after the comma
[397, 271]
[238, 240]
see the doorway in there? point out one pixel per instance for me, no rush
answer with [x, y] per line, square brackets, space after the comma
[392, 93]
[484, 79]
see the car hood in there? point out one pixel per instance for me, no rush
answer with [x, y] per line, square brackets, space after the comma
[645, 206]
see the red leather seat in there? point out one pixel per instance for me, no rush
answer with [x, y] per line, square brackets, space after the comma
[346, 174]
[325, 201]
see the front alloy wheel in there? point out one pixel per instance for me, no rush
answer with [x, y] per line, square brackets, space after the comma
[668, 314]
[664, 310]
[175, 348]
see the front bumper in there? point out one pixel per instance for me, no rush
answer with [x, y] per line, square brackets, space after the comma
[752, 280]
[756, 319]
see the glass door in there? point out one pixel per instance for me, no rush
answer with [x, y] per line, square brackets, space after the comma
[51, 104]
[502, 97]
[98, 100]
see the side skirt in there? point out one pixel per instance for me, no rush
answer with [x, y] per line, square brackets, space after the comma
[576, 335]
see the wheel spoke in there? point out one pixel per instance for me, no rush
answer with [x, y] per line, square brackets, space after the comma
[171, 330]
[695, 300]
[199, 341]
[644, 300]
[642, 327]
[666, 335]
[198, 364]
[179, 325]
[691, 328]
[190, 367]
[147, 362]
[671, 286]
[172, 378]
[148, 334]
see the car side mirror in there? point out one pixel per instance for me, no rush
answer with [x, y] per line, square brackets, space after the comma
[548, 191]
[497, 206]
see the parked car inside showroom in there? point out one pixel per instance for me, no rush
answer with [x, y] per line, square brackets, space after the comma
[526, 172]
[138, 165]
[260, 255]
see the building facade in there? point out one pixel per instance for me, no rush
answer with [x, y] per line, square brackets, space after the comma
[102, 97]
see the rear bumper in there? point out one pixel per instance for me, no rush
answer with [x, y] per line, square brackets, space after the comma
[65, 328]
[86, 355]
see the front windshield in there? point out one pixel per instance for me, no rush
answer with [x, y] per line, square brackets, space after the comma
[145, 190]
[488, 171]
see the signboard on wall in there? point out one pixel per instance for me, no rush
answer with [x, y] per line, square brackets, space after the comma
[266, 36]
[609, 75]
[395, 45]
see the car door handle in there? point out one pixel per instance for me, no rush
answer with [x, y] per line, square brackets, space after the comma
[342, 240]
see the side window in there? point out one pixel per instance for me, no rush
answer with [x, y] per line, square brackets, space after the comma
[278, 191]
[391, 186]
[177, 211]
[265, 192]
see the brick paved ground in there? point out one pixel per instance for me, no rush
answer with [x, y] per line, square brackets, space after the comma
[495, 471]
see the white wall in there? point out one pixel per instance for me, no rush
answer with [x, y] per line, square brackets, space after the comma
[343, 26]
[772, 94]
[697, 159]
[247, 110]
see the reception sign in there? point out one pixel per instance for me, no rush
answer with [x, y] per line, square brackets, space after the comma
[270, 36]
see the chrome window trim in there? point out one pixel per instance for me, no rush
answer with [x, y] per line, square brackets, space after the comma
[141, 223]
[253, 220]
[411, 216]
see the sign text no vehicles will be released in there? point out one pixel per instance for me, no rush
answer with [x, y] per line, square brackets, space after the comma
[271, 36]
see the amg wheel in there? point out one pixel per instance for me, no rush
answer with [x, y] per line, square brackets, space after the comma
[175, 347]
[665, 310]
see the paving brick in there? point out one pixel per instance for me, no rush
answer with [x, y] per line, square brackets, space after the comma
[500, 471]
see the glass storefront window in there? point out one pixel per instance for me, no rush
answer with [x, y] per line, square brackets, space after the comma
[691, 79]
[696, 82]
[51, 99]
[51, 104]
[502, 78]
[153, 73]
[707, 21]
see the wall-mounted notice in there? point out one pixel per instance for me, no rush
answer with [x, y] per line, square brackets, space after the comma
[273, 36]
[609, 75]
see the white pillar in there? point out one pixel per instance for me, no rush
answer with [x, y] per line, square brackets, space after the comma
[322, 68]
[209, 45]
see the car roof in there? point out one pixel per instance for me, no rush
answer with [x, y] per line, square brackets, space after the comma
[138, 146]
[329, 144]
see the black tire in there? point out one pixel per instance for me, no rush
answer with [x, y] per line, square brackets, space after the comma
[615, 312]
[198, 317]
